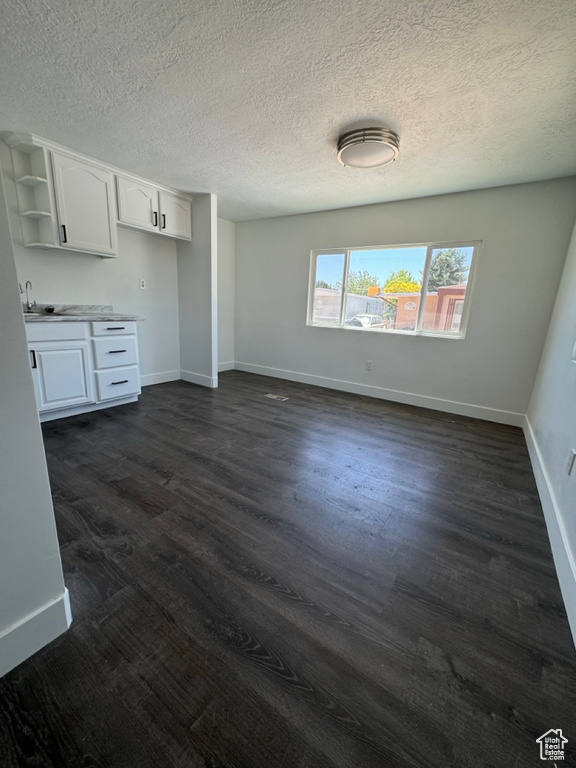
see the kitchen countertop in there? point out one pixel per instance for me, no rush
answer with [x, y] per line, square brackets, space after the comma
[79, 313]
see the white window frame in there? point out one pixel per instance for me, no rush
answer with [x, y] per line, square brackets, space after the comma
[418, 331]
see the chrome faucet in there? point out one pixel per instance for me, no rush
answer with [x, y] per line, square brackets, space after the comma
[29, 304]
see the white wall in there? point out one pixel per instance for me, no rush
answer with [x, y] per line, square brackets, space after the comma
[197, 295]
[525, 230]
[33, 602]
[226, 293]
[551, 432]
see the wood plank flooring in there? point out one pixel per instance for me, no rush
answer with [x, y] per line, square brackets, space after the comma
[327, 582]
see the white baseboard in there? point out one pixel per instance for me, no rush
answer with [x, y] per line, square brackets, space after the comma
[33, 632]
[561, 550]
[226, 366]
[407, 398]
[199, 378]
[64, 413]
[159, 378]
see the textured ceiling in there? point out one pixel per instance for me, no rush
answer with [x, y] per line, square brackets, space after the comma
[246, 98]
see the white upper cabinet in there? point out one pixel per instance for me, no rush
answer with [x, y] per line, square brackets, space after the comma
[71, 202]
[175, 216]
[146, 207]
[137, 204]
[85, 206]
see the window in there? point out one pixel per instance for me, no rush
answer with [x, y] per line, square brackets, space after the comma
[411, 289]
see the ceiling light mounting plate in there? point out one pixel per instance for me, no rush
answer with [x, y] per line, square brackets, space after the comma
[368, 147]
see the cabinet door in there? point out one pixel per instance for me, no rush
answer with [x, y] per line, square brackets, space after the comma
[137, 204]
[61, 374]
[175, 216]
[84, 200]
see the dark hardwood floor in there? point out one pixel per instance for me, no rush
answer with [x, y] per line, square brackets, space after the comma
[327, 581]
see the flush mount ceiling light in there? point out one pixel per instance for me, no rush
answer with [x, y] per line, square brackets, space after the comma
[368, 147]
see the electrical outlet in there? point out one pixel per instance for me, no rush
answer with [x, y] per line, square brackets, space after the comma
[571, 460]
[368, 365]
[142, 284]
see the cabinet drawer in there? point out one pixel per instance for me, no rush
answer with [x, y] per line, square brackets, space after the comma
[56, 331]
[110, 353]
[118, 382]
[113, 328]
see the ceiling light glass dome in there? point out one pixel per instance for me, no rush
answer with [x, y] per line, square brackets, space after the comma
[368, 147]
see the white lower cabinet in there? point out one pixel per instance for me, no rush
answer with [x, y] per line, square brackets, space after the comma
[76, 369]
[61, 373]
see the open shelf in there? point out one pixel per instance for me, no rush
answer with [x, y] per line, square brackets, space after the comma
[32, 181]
[35, 204]
[35, 214]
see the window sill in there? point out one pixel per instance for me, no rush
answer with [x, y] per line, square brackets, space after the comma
[391, 332]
